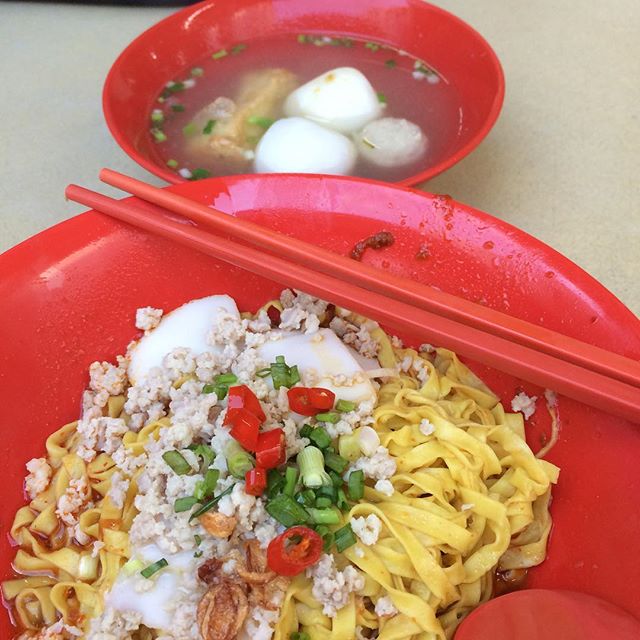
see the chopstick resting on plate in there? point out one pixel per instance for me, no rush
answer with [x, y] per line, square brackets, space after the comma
[311, 272]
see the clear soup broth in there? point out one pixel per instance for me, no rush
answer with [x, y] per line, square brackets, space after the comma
[407, 87]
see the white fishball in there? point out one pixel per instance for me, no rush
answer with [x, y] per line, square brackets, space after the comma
[391, 142]
[297, 145]
[342, 99]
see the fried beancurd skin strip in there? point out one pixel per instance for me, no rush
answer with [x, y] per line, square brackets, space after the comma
[222, 611]
[261, 94]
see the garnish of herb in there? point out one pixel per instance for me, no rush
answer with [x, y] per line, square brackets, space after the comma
[178, 108]
[238, 48]
[154, 568]
[372, 46]
[261, 121]
[382, 99]
[208, 128]
[177, 462]
[157, 117]
[196, 72]
[189, 129]
[219, 54]
[207, 506]
[344, 538]
[172, 163]
[158, 134]
[390, 64]
[302, 38]
[199, 174]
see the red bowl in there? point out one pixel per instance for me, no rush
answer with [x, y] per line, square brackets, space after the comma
[158, 55]
[69, 297]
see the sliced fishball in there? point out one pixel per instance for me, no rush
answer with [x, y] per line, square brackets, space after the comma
[298, 145]
[391, 142]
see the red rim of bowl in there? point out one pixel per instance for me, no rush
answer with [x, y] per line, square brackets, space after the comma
[174, 178]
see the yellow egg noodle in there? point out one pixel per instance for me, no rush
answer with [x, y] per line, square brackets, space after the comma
[469, 499]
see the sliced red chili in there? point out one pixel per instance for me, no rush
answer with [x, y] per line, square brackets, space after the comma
[255, 481]
[271, 449]
[322, 399]
[293, 551]
[241, 397]
[244, 428]
[309, 401]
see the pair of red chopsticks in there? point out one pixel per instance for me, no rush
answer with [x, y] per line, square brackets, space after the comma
[592, 375]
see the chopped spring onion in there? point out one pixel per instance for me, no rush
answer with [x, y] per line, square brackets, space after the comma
[275, 482]
[208, 128]
[282, 374]
[198, 539]
[320, 438]
[311, 463]
[132, 566]
[327, 492]
[176, 87]
[158, 134]
[302, 38]
[196, 72]
[199, 174]
[172, 163]
[226, 378]
[335, 462]
[222, 383]
[208, 388]
[205, 488]
[327, 538]
[239, 461]
[390, 64]
[238, 48]
[189, 130]
[219, 54]
[355, 485]
[349, 446]
[372, 46]
[299, 635]
[177, 462]
[263, 373]
[290, 480]
[342, 502]
[178, 108]
[323, 502]
[207, 506]
[307, 497]
[306, 430]
[157, 117]
[154, 568]
[198, 554]
[324, 516]
[207, 454]
[344, 406]
[336, 478]
[329, 416]
[287, 511]
[261, 121]
[184, 504]
[344, 538]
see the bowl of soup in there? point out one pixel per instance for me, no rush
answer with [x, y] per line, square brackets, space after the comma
[393, 90]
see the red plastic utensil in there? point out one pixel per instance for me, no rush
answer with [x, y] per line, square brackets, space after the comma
[402, 289]
[183, 39]
[541, 614]
[566, 378]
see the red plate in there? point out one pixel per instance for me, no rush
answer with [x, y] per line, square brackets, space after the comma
[178, 42]
[69, 297]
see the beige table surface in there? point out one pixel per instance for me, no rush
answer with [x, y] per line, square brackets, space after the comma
[562, 162]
